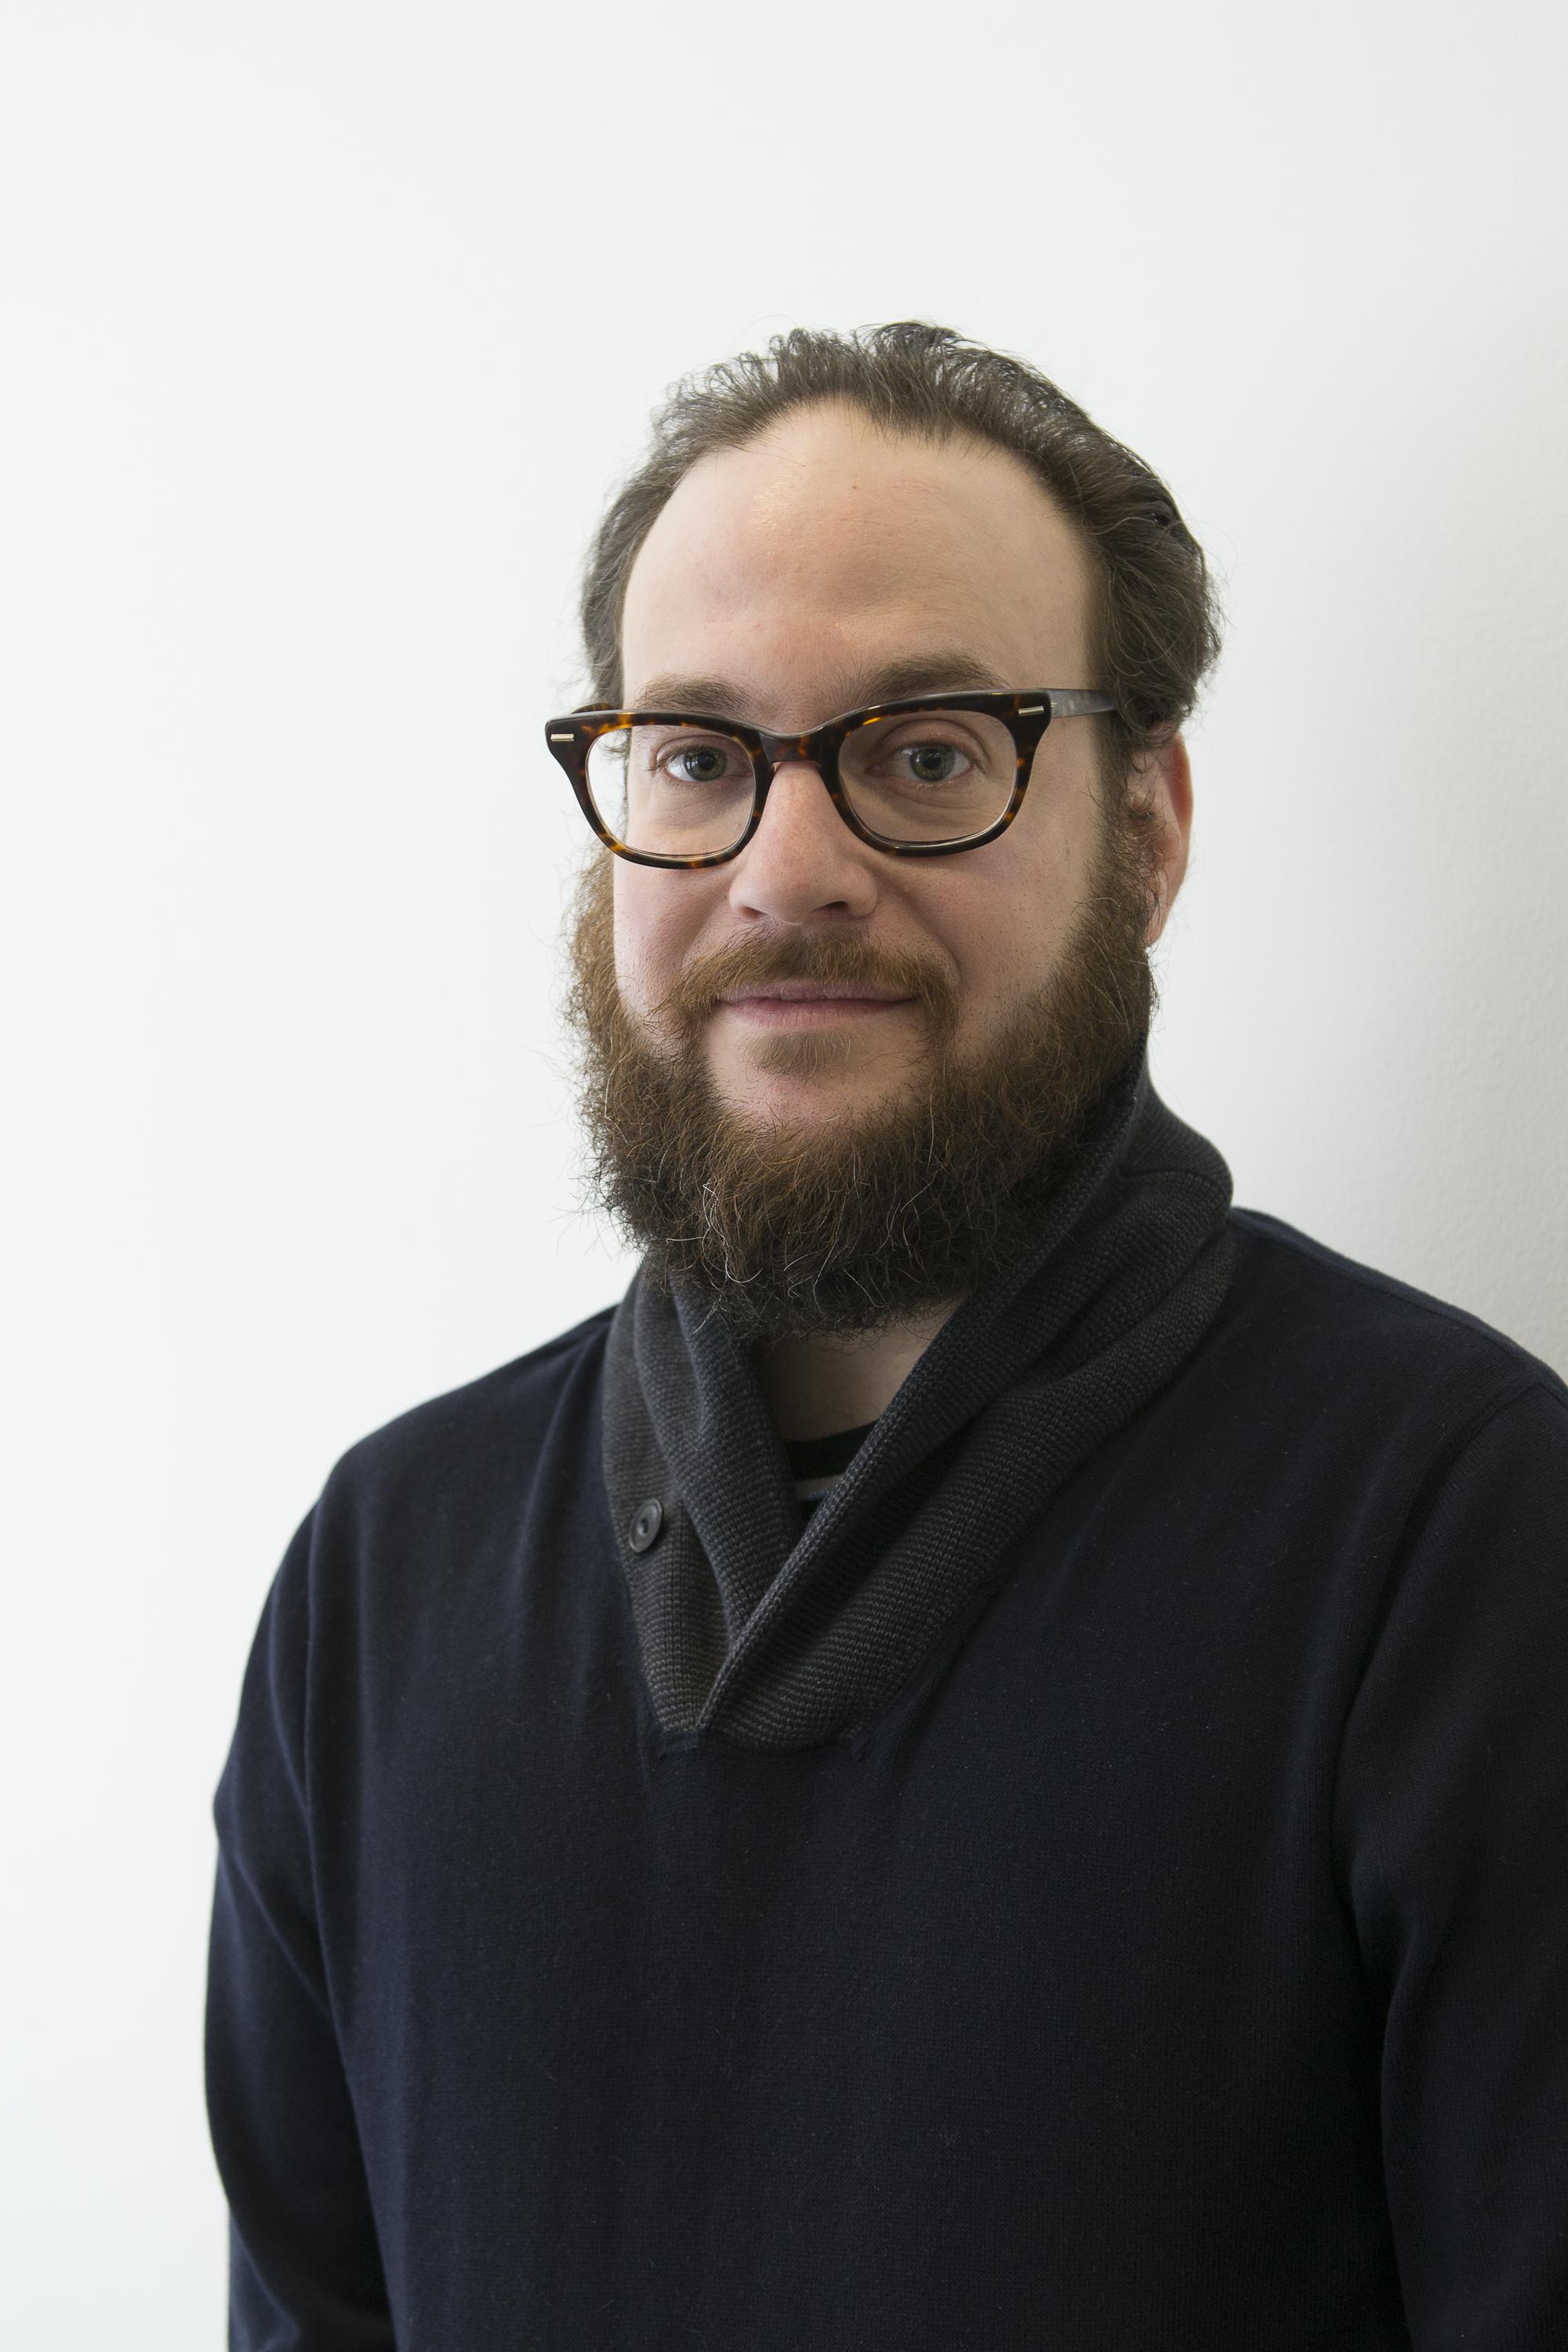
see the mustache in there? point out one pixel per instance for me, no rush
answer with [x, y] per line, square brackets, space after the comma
[699, 987]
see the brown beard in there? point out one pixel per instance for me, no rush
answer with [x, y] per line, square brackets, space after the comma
[852, 1222]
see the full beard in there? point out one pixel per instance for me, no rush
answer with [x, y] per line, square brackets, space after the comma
[854, 1222]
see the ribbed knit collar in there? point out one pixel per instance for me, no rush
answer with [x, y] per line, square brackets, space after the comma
[779, 1636]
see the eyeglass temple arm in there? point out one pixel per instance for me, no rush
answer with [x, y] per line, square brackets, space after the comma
[1078, 702]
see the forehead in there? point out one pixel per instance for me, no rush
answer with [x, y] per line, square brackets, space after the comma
[826, 550]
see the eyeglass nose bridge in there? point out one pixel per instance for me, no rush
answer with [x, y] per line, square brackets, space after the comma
[817, 748]
[809, 750]
[784, 751]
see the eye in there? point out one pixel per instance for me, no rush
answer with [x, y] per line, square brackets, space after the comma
[933, 762]
[702, 760]
[916, 758]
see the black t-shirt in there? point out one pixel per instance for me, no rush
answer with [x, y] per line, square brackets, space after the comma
[816, 1464]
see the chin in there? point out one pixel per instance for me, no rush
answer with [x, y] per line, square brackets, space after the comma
[797, 1095]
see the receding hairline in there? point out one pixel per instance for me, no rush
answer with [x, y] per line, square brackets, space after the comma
[936, 432]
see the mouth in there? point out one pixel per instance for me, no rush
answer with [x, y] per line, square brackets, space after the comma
[804, 1004]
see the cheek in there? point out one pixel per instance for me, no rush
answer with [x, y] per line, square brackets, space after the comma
[1052, 845]
[634, 920]
[1004, 935]
[993, 932]
[656, 923]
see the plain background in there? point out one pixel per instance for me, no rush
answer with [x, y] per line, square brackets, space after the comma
[328, 328]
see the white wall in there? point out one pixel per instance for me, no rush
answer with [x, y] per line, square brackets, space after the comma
[326, 328]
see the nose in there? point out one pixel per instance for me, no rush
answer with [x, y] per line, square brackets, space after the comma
[803, 861]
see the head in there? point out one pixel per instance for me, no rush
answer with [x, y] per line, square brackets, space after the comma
[842, 522]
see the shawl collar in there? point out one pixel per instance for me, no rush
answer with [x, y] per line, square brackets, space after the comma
[781, 1636]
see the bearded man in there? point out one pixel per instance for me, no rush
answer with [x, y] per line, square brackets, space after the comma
[981, 1761]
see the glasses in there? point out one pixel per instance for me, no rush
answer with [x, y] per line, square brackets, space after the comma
[917, 779]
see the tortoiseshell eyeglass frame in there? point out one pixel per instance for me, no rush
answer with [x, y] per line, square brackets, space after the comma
[1026, 716]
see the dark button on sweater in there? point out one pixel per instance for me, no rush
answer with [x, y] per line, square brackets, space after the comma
[644, 1527]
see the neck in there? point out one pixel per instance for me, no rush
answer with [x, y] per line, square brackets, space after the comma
[818, 1385]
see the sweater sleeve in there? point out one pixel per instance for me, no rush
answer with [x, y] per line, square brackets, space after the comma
[305, 2272]
[1452, 1833]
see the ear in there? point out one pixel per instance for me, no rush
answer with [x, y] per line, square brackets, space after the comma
[1162, 782]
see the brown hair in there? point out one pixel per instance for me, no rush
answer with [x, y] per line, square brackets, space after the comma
[1156, 629]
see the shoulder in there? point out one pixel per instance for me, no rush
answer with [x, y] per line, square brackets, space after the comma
[1310, 1314]
[485, 1434]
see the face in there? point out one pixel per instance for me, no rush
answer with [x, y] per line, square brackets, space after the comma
[815, 570]
[786, 581]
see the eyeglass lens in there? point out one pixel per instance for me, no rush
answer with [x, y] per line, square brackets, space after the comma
[686, 792]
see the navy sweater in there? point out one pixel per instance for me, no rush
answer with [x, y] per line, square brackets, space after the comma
[1178, 1960]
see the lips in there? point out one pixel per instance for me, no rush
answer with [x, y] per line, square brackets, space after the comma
[797, 1004]
[811, 991]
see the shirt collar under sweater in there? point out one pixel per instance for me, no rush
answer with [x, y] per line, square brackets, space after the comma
[780, 1635]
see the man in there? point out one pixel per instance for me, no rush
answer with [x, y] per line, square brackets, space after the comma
[981, 1761]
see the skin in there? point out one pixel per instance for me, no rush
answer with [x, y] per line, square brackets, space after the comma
[787, 577]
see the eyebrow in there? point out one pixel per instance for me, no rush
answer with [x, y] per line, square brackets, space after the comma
[949, 672]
